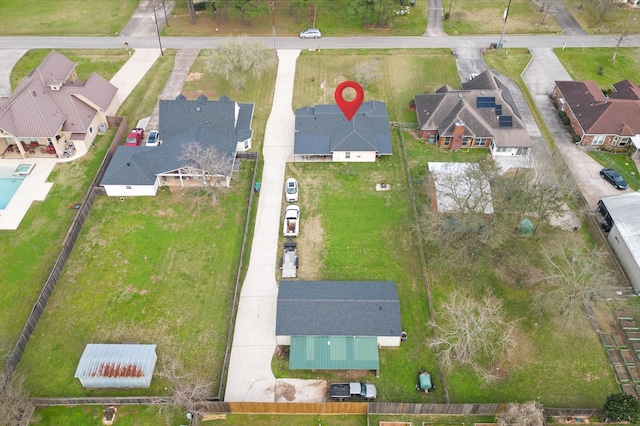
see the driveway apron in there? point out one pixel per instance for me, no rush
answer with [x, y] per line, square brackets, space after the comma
[8, 60]
[254, 341]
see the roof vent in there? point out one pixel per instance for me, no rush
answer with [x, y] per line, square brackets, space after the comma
[198, 108]
[482, 92]
[459, 95]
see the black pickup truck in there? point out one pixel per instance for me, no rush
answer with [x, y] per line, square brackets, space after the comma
[342, 391]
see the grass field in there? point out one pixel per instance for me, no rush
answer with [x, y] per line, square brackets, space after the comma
[618, 17]
[151, 270]
[481, 17]
[584, 64]
[64, 17]
[332, 18]
[127, 415]
[396, 85]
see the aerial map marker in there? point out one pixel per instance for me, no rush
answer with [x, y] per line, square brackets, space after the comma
[349, 109]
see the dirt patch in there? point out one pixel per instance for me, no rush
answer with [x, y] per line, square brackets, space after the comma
[286, 391]
[193, 76]
[311, 249]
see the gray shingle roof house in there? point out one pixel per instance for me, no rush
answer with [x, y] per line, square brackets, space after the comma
[52, 107]
[481, 115]
[322, 132]
[140, 170]
[338, 308]
[601, 120]
[337, 325]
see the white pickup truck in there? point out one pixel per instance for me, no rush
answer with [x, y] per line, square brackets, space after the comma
[342, 391]
[291, 225]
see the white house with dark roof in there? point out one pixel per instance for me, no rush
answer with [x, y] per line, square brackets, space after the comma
[141, 170]
[52, 108]
[322, 133]
[337, 325]
[481, 115]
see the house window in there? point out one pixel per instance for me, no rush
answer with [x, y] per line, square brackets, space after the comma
[347, 154]
[128, 187]
[447, 140]
[480, 142]
[618, 141]
[502, 149]
[90, 130]
[598, 139]
[246, 144]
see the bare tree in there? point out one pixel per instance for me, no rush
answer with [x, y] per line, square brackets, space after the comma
[238, 58]
[545, 8]
[624, 35]
[526, 414]
[13, 401]
[575, 275]
[189, 389]
[366, 72]
[207, 164]
[475, 333]
[604, 6]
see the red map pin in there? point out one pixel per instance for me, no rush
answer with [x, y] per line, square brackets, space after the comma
[349, 109]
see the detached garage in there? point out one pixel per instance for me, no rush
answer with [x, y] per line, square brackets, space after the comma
[117, 366]
[337, 325]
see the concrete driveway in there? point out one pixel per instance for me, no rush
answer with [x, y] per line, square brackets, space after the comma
[540, 77]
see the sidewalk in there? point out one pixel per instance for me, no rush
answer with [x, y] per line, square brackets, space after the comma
[128, 77]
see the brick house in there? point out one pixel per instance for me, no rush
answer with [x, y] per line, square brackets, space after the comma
[481, 115]
[601, 120]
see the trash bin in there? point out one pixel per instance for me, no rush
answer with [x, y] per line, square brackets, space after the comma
[256, 186]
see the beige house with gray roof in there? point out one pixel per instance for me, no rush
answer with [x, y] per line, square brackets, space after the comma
[52, 109]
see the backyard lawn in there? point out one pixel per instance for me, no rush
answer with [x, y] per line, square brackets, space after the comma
[127, 415]
[64, 17]
[157, 270]
[596, 64]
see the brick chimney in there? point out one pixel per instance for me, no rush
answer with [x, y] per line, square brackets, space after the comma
[458, 132]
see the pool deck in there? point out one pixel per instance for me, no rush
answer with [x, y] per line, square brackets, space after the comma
[34, 188]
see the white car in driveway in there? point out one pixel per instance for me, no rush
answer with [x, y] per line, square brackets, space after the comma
[291, 190]
[154, 138]
[311, 33]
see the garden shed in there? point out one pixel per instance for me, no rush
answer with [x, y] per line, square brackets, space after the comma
[117, 365]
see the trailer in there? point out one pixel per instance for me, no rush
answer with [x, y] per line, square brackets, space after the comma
[289, 260]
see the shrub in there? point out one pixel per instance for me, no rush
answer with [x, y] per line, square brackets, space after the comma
[564, 117]
[577, 138]
[621, 407]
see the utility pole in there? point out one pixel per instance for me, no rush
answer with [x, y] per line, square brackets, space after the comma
[504, 28]
[273, 24]
[155, 18]
[449, 13]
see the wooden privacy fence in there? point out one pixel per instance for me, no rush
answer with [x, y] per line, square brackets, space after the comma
[58, 266]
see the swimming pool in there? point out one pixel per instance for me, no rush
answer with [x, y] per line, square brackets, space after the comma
[9, 184]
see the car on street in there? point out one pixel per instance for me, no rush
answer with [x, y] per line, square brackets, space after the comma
[291, 190]
[311, 33]
[613, 178]
[153, 138]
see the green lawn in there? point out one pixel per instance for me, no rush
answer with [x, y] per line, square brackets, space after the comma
[332, 18]
[482, 17]
[622, 163]
[155, 270]
[88, 415]
[585, 64]
[64, 17]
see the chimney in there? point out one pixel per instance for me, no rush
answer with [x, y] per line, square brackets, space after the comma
[458, 132]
